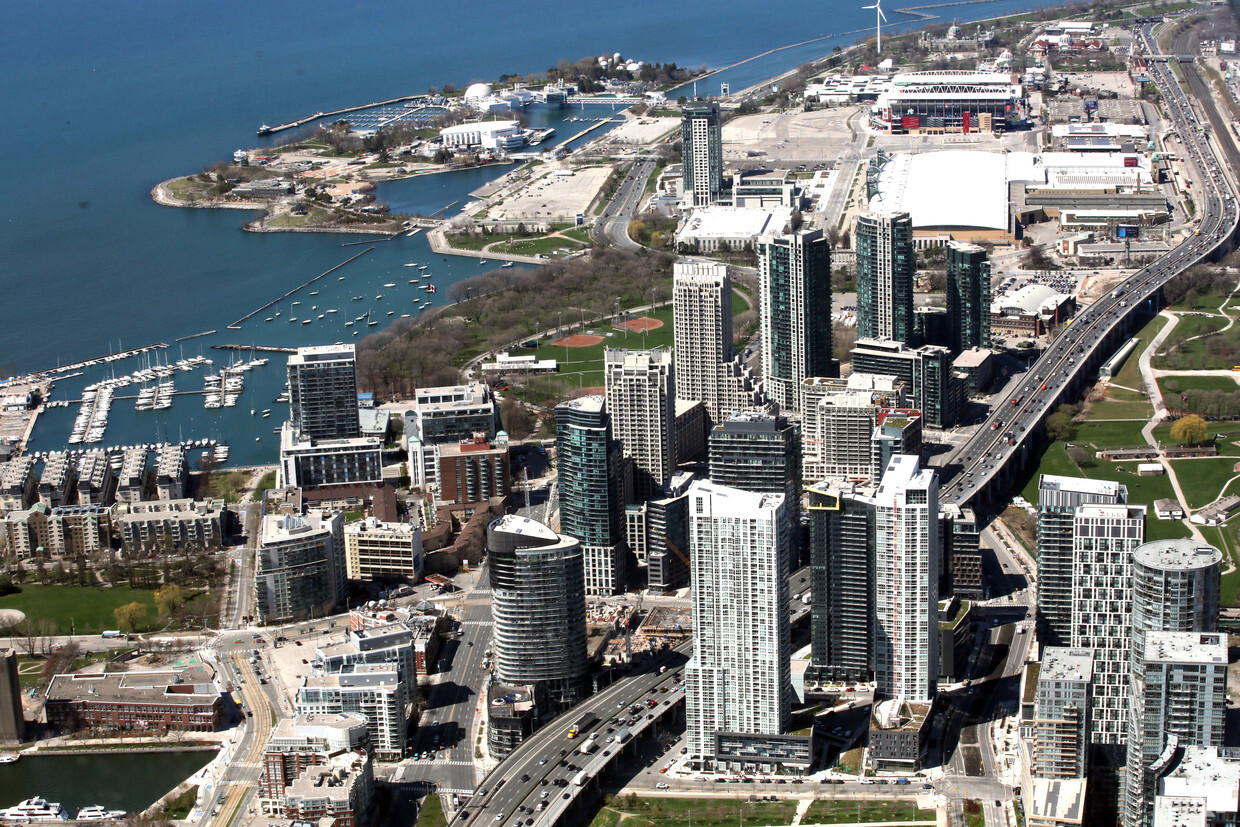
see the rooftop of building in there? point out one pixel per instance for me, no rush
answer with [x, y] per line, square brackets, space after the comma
[739, 501]
[706, 223]
[517, 524]
[277, 527]
[972, 358]
[165, 687]
[299, 726]
[356, 675]
[1081, 485]
[926, 185]
[1029, 299]
[953, 612]
[322, 353]
[1186, 647]
[1059, 663]
[510, 699]
[752, 422]
[1032, 672]
[904, 471]
[1209, 774]
[899, 714]
[372, 525]
[1058, 799]
[1108, 511]
[328, 781]
[592, 403]
[448, 397]
[1181, 555]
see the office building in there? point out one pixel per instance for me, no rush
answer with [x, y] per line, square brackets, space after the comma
[1104, 538]
[907, 555]
[1183, 703]
[12, 720]
[842, 577]
[838, 421]
[322, 390]
[1175, 588]
[1055, 738]
[385, 551]
[701, 149]
[707, 369]
[968, 297]
[1201, 788]
[373, 692]
[794, 300]
[641, 400]
[172, 525]
[296, 744]
[1061, 719]
[661, 524]
[475, 469]
[886, 265]
[1058, 498]
[300, 570]
[58, 482]
[511, 717]
[591, 479]
[152, 702]
[738, 680]
[758, 452]
[537, 580]
[310, 463]
[443, 416]
[937, 390]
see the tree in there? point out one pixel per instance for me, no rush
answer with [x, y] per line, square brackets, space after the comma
[130, 616]
[1081, 455]
[168, 599]
[1189, 430]
[1060, 426]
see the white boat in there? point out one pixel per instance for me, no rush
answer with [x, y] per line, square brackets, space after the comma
[95, 812]
[269, 318]
[340, 278]
[412, 264]
[371, 324]
[35, 809]
[307, 321]
[390, 284]
[314, 292]
[413, 281]
[10, 757]
[506, 264]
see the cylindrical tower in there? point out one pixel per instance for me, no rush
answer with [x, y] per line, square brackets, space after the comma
[538, 597]
[1175, 588]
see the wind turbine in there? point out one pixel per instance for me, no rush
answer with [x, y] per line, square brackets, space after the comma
[879, 17]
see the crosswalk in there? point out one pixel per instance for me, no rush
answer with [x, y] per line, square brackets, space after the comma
[477, 623]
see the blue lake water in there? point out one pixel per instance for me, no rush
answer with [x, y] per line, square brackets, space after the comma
[109, 97]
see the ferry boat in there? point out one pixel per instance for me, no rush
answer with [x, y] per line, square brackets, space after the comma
[10, 757]
[35, 809]
[95, 812]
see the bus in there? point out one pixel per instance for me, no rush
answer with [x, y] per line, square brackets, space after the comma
[111, 633]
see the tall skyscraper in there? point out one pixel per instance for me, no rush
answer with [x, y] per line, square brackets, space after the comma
[886, 264]
[707, 369]
[641, 401]
[841, 549]
[739, 678]
[838, 419]
[1058, 498]
[907, 554]
[1061, 730]
[701, 149]
[299, 568]
[968, 296]
[1104, 537]
[758, 452]
[591, 484]
[537, 580]
[794, 285]
[322, 389]
[1175, 588]
[1183, 703]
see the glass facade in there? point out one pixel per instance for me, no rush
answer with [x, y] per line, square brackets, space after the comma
[968, 296]
[701, 152]
[794, 282]
[886, 265]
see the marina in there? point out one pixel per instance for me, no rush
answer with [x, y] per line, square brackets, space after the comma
[237, 324]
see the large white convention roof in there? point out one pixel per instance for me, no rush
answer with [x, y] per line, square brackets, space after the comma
[954, 189]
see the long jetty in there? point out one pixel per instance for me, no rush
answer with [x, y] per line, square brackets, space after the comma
[237, 324]
[271, 130]
[256, 348]
[194, 336]
[111, 357]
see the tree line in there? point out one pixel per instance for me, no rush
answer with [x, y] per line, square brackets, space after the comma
[498, 308]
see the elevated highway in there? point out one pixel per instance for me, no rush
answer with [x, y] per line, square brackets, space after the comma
[985, 465]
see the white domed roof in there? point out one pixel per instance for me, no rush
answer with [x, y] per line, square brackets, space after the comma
[477, 90]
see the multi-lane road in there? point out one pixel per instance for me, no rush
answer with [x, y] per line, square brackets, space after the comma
[613, 226]
[1088, 339]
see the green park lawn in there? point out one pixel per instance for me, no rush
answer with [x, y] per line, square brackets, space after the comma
[431, 814]
[700, 812]
[1202, 479]
[1201, 383]
[86, 610]
[861, 812]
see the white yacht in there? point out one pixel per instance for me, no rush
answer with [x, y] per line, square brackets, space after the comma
[96, 812]
[35, 809]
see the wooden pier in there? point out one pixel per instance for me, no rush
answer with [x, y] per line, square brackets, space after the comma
[256, 348]
[271, 130]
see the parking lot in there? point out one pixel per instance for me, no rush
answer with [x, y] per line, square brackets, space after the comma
[556, 196]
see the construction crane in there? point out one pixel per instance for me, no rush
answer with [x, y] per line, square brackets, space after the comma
[675, 550]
